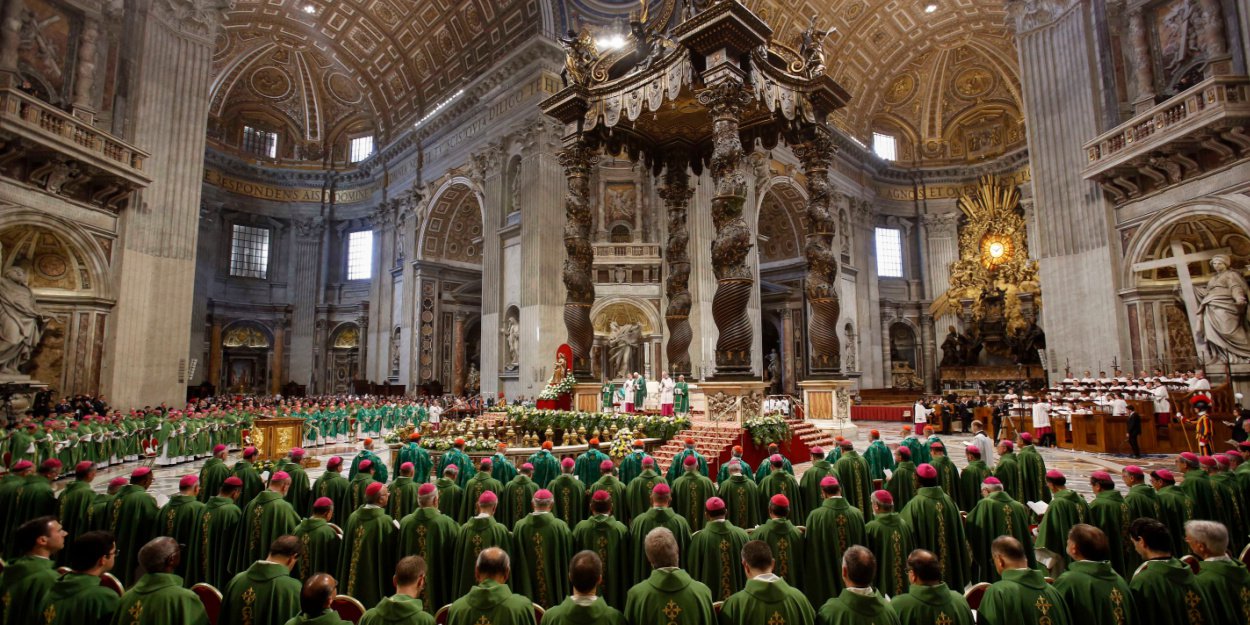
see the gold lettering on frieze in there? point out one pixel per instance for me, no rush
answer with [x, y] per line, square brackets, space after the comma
[937, 191]
[285, 194]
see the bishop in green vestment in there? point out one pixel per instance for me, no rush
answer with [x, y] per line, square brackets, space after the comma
[1091, 589]
[609, 483]
[640, 393]
[28, 578]
[405, 607]
[765, 468]
[1230, 500]
[403, 491]
[587, 465]
[890, 538]
[937, 526]
[542, 545]
[638, 492]
[970, 479]
[34, 496]
[1224, 580]
[431, 535]
[785, 540]
[132, 519]
[319, 542]
[490, 600]
[928, 600]
[766, 598]
[180, 515]
[265, 518]
[77, 598]
[481, 482]
[878, 457]
[832, 528]
[246, 471]
[1109, 513]
[456, 457]
[691, 491]
[546, 466]
[450, 494]
[660, 515]
[360, 481]
[1032, 471]
[213, 545]
[300, 493]
[1177, 507]
[778, 482]
[368, 553]
[722, 473]
[1197, 484]
[1021, 596]
[681, 396]
[631, 464]
[1165, 590]
[948, 473]
[714, 557]
[75, 502]
[501, 468]
[1008, 470]
[609, 539]
[158, 597]
[379, 468]
[678, 464]
[213, 473]
[264, 592]
[334, 486]
[479, 533]
[809, 486]
[585, 606]
[569, 492]
[919, 452]
[667, 594]
[741, 496]
[859, 603]
[518, 496]
[996, 515]
[420, 458]
[903, 484]
[1067, 508]
[853, 475]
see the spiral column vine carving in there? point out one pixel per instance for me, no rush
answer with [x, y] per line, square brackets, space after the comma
[578, 280]
[825, 355]
[676, 194]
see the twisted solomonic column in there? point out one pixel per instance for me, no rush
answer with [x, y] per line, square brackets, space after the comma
[575, 159]
[825, 357]
[676, 194]
[733, 237]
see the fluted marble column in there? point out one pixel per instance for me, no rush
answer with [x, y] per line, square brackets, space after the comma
[1143, 66]
[676, 193]
[306, 266]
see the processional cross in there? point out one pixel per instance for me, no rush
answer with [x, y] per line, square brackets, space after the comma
[1179, 260]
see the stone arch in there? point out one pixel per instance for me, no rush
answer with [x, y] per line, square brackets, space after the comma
[781, 218]
[909, 336]
[1143, 242]
[343, 357]
[246, 349]
[452, 229]
[609, 309]
[89, 251]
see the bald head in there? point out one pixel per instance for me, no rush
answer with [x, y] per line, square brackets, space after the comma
[493, 564]
[317, 594]
[859, 567]
[924, 568]
[160, 555]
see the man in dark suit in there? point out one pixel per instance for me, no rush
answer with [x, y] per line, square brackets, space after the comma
[1134, 430]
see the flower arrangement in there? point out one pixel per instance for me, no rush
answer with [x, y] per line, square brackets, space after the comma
[559, 389]
[768, 429]
[447, 442]
[621, 445]
[651, 426]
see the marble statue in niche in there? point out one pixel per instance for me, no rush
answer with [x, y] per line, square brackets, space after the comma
[511, 332]
[623, 341]
[1222, 321]
[21, 321]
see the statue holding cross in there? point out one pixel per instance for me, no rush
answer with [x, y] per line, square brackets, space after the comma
[1217, 310]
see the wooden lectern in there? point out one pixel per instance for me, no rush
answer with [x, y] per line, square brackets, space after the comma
[274, 438]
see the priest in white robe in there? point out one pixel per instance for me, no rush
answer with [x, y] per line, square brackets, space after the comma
[667, 385]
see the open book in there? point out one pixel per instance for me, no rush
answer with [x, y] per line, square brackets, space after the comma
[888, 474]
[1038, 507]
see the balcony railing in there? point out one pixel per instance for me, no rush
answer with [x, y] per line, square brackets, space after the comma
[1200, 128]
[625, 251]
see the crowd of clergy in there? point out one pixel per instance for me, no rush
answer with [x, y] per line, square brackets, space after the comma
[588, 539]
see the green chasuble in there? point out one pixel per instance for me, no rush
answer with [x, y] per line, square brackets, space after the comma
[398, 610]
[570, 613]
[778, 482]
[517, 499]
[1178, 509]
[329, 617]
[638, 496]
[132, 519]
[460, 459]
[1227, 584]
[333, 485]
[681, 398]
[1032, 475]
[1095, 594]
[809, 486]
[644, 523]
[690, 493]
[264, 593]
[948, 478]
[925, 605]
[890, 539]
[609, 538]
[1197, 485]
[1022, 597]
[919, 451]
[970, 481]
[631, 466]
[903, 484]
[449, 496]
[767, 599]
[787, 544]
[1229, 501]
[677, 465]
[403, 498]
[722, 473]
[299, 495]
[266, 518]
[367, 556]
[252, 484]
[640, 393]
[994, 516]
[936, 525]
[160, 599]
[493, 603]
[432, 535]
[832, 528]
[212, 475]
[766, 467]
[481, 532]
[715, 558]
[851, 608]
[1109, 513]
[75, 508]
[211, 551]
[570, 498]
[319, 548]
[1009, 473]
[587, 466]
[501, 468]
[379, 468]
[77, 599]
[1067, 508]
[23, 586]
[741, 500]
[356, 487]
[1166, 592]
[546, 467]
[879, 458]
[615, 490]
[1143, 501]
[542, 547]
[34, 499]
[669, 595]
[856, 486]
[178, 520]
[420, 459]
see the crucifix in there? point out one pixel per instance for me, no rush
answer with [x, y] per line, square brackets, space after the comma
[1179, 260]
